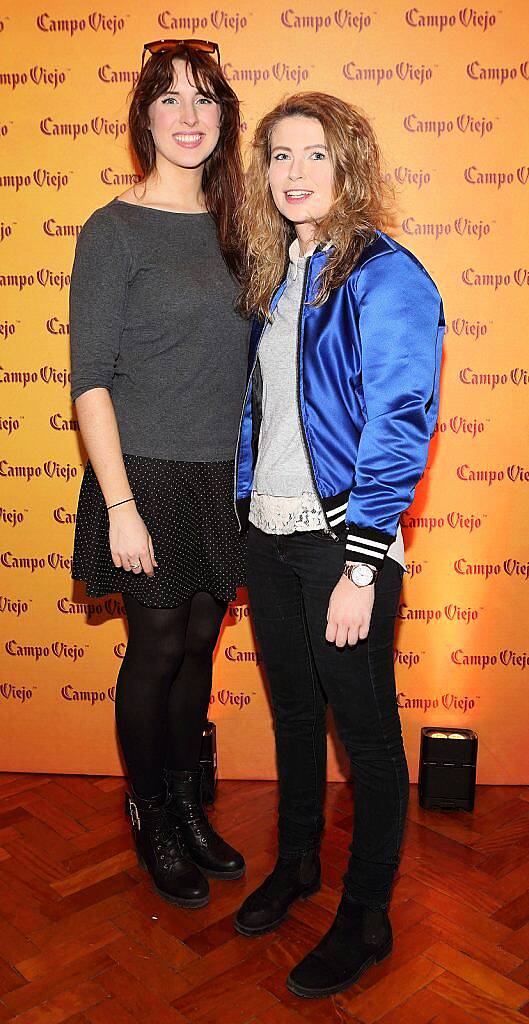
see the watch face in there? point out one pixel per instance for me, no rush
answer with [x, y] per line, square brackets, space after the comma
[362, 575]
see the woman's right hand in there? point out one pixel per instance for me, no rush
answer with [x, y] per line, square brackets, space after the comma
[130, 542]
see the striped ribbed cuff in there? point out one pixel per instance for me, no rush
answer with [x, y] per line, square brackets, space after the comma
[365, 544]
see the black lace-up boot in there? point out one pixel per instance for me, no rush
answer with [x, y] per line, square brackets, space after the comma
[206, 848]
[358, 938]
[162, 852]
[292, 879]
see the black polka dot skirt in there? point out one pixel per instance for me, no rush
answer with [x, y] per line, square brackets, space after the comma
[188, 510]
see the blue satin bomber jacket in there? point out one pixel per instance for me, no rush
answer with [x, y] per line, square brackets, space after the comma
[368, 365]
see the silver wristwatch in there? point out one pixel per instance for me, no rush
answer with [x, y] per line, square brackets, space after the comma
[360, 573]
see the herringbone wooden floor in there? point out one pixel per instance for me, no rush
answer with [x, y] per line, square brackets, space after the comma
[84, 940]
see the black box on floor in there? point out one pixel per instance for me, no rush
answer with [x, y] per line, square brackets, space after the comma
[208, 763]
[447, 769]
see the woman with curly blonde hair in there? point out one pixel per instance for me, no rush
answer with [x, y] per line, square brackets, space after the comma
[341, 402]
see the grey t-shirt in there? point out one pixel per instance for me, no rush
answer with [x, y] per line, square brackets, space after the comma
[152, 320]
[282, 468]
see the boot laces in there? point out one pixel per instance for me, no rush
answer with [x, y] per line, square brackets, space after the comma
[169, 845]
[197, 818]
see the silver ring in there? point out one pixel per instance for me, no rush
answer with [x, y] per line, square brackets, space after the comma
[135, 565]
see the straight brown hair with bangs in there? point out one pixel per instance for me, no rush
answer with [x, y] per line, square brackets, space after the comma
[362, 200]
[222, 178]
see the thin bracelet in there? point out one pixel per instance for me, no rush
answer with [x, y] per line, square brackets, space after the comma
[119, 503]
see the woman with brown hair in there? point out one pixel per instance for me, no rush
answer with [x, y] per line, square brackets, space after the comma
[342, 399]
[158, 364]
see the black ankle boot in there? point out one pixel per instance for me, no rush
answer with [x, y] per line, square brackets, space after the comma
[161, 851]
[291, 879]
[357, 938]
[205, 846]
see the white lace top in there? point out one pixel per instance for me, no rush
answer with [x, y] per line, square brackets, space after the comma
[273, 514]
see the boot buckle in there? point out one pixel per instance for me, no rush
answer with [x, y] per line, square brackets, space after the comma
[134, 814]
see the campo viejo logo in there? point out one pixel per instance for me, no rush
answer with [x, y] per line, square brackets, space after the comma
[96, 21]
[14, 692]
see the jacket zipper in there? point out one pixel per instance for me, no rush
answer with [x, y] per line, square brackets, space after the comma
[300, 418]
[237, 450]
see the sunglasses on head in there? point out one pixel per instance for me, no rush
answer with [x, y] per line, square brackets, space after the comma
[165, 45]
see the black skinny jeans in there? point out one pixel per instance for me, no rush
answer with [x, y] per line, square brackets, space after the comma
[290, 581]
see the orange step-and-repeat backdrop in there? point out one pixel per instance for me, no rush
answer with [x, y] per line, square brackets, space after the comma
[446, 86]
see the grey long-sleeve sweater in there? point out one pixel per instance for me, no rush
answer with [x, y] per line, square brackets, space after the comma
[152, 320]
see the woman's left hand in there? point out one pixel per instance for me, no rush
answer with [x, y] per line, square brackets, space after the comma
[349, 613]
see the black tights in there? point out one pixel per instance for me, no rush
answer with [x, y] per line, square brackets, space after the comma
[164, 686]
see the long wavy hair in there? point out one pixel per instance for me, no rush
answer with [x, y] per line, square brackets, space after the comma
[361, 203]
[223, 175]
